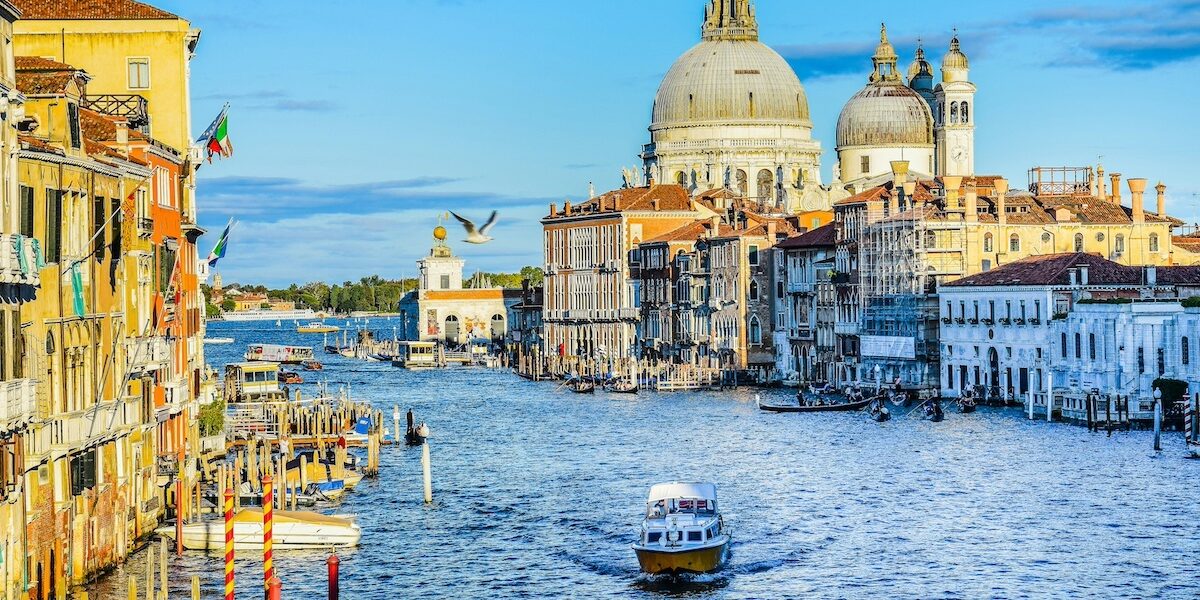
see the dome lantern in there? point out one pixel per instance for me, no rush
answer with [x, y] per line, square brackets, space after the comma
[729, 20]
[920, 70]
[955, 64]
[885, 60]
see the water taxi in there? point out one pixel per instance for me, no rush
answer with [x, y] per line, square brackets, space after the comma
[317, 327]
[253, 382]
[416, 355]
[683, 531]
[288, 355]
[290, 530]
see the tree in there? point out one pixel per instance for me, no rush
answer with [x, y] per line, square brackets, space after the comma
[228, 305]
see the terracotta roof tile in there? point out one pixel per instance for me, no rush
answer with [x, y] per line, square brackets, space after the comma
[670, 198]
[823, 236]
[1054, 269]
[88, 9]
[690, 233]
[38, 63]
[31, 143]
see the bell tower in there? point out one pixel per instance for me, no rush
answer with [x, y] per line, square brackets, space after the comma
[954, 115]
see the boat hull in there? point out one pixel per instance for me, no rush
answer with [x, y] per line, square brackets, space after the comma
[210, 535]
[844, 407]
[675, 562]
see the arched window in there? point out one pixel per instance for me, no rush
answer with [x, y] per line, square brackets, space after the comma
[1184, 352]
[1079, 242]
[1119, 243]
[691, 107]
[1048, 239]
[751, 105]
[765, 183]
[1154, 242]
[1092, 346]
[987, 242]
[681, 178]
[941, 116]
[1014, 243]
[497, 327]
[964, 113]
[755, 331]
[953, 112]
[754, 290]
[741, 182]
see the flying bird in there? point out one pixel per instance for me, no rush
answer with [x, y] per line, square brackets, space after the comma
[477, 236]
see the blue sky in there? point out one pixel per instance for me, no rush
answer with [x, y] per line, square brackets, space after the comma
[355, 127]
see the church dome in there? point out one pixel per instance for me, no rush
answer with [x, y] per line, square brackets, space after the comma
[730, 76]
[920, 72]
[885, 112]
[955, 60]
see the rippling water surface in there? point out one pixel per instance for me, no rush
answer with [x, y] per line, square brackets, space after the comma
[538, 493]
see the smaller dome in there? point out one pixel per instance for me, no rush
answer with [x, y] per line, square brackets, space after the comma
[885, 115]
[955, 59]
[920, 69]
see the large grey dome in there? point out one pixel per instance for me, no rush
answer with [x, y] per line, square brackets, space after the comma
[885, 114]
[730, 80]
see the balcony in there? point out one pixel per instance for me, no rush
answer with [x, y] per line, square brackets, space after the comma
[148, 354]
[628, 314]
[801, 287]
[18, 403]
[19, 260]
[145, 226]
[176, 394]
[75, 430]
[845, 328]
[131, 106]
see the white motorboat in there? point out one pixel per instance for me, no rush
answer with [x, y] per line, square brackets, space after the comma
[218, 340]
[683, 531]
[290, 530]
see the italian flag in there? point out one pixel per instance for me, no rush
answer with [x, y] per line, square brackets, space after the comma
[216, 137]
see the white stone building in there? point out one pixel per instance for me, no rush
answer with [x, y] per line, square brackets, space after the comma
[441, 309]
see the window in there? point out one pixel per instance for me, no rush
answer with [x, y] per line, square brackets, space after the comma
[953, 112]
[26, 225]
[1047, 238]
[753, 255]
[696, 536]
[754, 290]
[653, 537]
[1162, 361]
[865, 164]
[73, 122]
[1078, 346]
[1014, 243]
[54, 206]
[779, 289]
[1184, 355]
[445, 282]
[139, 73]
[1141, 359]
[1092, 346]
[83, 472]
[1154, 242]
[755, 331]
[99, 218]
[1079, 242]
[1119, 243]
[1063, 344]
[965, 113]
[987, 242]
[116, 228]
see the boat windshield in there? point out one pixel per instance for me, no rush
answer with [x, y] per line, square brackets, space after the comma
[677, 506]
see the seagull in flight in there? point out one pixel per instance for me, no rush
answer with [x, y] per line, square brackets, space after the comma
[477, 236]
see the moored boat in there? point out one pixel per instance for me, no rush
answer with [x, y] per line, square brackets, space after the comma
[683, 531]
[290, 530]
[290, 378]
[312, 365]
[621, 387]
[288, 355]
[582, 386]
[836, 407]
[316, 327]
[218, 340]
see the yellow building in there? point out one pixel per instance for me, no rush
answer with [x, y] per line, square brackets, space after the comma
[88, 457]
[138, 57]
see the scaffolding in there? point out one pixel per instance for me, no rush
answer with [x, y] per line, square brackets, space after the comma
[1060, 181]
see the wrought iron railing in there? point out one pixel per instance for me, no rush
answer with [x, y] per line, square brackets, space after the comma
[131, 106]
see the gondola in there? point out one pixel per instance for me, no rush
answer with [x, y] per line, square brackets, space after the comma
[580, 386]
[621, 387]
[879, 410]
[312, 365]
[934, 412]
[333, 349]
[843, 407]
[967, 405]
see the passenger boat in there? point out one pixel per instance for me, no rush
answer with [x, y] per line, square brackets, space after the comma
[252, 382]
[316, 327]
[312, 365]
[582, 386]
[290, 530]
[288, 355]
[218, 340]
[683, 531]
[799, 408]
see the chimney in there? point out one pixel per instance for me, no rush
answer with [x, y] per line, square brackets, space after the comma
[654, 204]
[553, 210]
[1101, 192]
[899, 171]
[972, 215]
[770, 233]
[1083, 274]
[1162, 199]
[1151, 275]
[714, 226]
[1137, 189]
[567, 208]
[950, 185]
[1074, 272]
[1001, 187]
[1116, 187]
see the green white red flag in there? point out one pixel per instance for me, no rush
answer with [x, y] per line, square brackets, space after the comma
[216, 137]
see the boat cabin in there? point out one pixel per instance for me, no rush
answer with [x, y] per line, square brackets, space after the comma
[686, 513]
[417, 355]
[279, 354]
[253, 382]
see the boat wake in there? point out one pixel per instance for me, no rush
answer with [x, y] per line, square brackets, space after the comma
[683, 584]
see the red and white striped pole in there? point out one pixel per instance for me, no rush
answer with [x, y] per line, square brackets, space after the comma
[268, 519]
[1189, 419]
[229, 595]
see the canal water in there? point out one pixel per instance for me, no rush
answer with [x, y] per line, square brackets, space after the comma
[538, 494]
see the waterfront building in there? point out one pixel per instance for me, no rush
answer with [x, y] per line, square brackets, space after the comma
[525, 329]
[442, 309]
[591, 309]
[804, 345]
[20, 280]
[1074, 321]
[731, 113]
